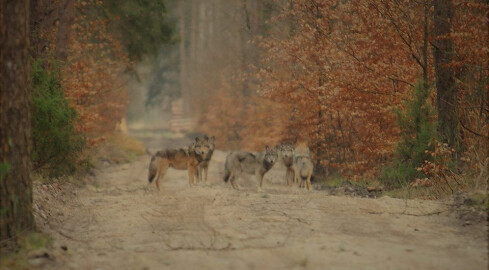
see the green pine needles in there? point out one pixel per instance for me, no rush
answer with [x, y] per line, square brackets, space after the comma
[418, 129]
[56, 144]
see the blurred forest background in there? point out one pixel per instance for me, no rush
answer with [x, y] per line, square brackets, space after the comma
[389, 89]
[395, 91]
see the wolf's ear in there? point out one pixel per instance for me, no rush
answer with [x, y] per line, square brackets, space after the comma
[213, 138]
[206, 138]
[197, 139]
[267, 148]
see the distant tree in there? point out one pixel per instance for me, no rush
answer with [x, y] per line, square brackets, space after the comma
[448, 116]
[142, 26]
[418, 131]
[15, 121]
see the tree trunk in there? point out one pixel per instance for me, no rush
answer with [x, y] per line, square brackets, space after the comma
[42, 21]
[425, 45]
[183, 58]
[244, 38]
[448, 119]
[15, 121]
[66, 16]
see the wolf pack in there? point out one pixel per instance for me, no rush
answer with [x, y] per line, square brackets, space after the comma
[195, 158]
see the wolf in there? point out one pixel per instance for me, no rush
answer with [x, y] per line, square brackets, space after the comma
[303, 166]
[187, 158]
[204, 165]
[258, 164]
[287, 154]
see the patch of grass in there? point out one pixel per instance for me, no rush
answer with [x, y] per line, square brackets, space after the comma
[408, 192]
[17, 258]
[118, 149]
[96, 185]
[265, 196]
[337, 180]
[479, 201]
[33, 241]
[464, 182]
[76, 180]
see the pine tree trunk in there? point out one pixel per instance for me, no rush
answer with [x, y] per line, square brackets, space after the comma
[15, 121]
[448, 119]
[42, 19]
[183, 58]
[245, 37]
[66, 16]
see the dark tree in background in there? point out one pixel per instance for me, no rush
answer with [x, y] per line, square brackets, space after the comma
[448, 116]
[15, 120]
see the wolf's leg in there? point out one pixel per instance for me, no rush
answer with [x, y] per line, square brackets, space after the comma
[287, 176]
[160, 173]
[295, 179]
[309, 181]
[206, 169]
[157, 179]
[199, 172]
[237, 185]
[259, 177]
[233, 181]
[191, 174]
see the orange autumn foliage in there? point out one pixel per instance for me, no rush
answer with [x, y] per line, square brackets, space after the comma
[93, 75]
[332, 72]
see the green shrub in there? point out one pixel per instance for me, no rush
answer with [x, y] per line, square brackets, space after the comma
[418, 129]
[56, 144]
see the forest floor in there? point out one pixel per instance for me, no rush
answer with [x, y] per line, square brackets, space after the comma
[114, 222]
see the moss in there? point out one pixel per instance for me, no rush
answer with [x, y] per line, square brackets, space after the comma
[17, 258]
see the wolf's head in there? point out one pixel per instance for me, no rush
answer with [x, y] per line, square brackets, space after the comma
[201, 147]
[286, 150]
[209, 142]
[270, 155]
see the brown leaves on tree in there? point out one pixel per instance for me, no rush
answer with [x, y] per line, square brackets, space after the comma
[93, 77]
[333, 71]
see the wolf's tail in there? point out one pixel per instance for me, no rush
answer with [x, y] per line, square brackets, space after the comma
[152, 169]
[227, 174]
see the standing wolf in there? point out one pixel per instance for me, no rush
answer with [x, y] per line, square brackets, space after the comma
[303, 166]
[204, 165]
[181, 159]
[287, 154]
[257, 164]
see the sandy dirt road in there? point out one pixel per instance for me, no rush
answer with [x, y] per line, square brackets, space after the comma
[116, 224]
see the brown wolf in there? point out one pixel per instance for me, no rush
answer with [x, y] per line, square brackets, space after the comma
[303, 165]
[181, 159]
[257, 164]
[287, 154]
[204, 165]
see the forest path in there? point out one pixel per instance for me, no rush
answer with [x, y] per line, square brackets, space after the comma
[117, 224]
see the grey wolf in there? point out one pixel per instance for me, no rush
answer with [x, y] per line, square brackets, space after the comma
[187, 158]
[303, 165]
[287, 154]
[204, 165]
[257, 164]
